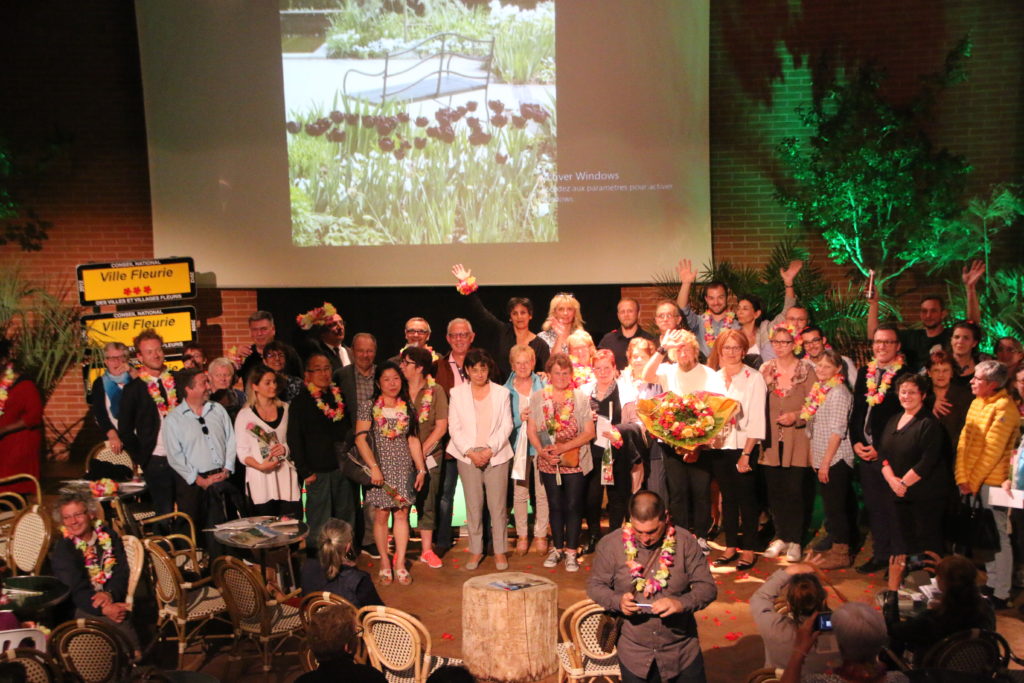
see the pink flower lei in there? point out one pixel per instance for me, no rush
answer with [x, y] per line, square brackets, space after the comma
[153, 386]
[666, 559]
[709, 329]
[556, 420]
[817, 395]
[467, 286]
[5, 384]
[401, 420]
[333, 414]
[428, 401]
[876, 390]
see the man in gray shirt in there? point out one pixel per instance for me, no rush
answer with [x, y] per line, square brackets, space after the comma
[658, 641]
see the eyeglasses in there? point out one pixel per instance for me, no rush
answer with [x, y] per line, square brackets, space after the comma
[666, 316]
[812, 340]
[406, 361]
[460, 335]
[74, 515]
[202, 423]
[782, 342]
[410, 330]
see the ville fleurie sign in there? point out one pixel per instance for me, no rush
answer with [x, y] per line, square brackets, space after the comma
[176, 325]
[136, 282]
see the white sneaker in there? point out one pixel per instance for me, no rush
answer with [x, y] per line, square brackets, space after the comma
[794, 552]
[775, 548]
[553, 558]
[571, 565]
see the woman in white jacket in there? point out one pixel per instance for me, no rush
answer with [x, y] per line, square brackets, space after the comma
[479, 424]
[261, 430]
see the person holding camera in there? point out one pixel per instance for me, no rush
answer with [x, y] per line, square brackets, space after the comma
[334, 568]
[960, 606]
[801, 589]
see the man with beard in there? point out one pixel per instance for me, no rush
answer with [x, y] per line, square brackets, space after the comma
[200, 441]
[717, 316]
[658, 640]
[616, 341]
[815, 342]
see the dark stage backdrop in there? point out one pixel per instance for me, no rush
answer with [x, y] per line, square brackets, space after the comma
[383, 311]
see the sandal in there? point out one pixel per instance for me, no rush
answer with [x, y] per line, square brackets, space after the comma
[402, 574]
[385, 576]
[522, 545]
[541, 545]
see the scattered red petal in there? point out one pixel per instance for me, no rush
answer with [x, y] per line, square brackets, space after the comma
[733, 635]
[447, 636]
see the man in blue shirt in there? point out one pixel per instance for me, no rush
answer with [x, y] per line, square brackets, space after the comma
[200, 443]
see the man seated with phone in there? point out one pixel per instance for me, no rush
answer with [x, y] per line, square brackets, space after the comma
[655, 575]
[800, 589]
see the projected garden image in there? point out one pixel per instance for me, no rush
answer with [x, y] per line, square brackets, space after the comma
[428, 126]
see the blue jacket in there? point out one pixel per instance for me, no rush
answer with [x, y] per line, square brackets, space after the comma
[517, 421]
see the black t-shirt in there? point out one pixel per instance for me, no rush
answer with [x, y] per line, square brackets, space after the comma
[916, 344]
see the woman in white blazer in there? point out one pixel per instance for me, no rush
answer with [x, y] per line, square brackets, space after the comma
[479, 424]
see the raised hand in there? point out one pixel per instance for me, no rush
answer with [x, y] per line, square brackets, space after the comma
[971, 274]
[789, 273]
[687, 275]
[460, 272]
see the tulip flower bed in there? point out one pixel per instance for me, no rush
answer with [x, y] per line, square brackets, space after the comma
[363, 175]
[524, 39]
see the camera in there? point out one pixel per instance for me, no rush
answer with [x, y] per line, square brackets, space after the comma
[916, 562]
[823, 622]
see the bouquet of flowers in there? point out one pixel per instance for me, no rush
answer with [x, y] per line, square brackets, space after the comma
[388, 488]
[689, 421]
[103, 487]
[267, 440]
[320, 315]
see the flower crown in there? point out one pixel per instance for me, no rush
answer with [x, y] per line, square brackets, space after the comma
[320, 315]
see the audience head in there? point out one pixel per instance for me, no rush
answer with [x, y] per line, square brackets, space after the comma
[390, 382]
[964, 338]
[638, 352]
[319, 370]
[1009, 351]
[1018, 385]
[860, 631]
[957, 579]
[782, 339]
[334, 546]
[814, 341]
[805, 595]
[749, 310]
[523, 359]
[729, 348]
[460, 336]
[933, 312]
[828, 364]
[559, 369]
[581, 347]
[149, 347]
[364, 350]
[911, 390]
[604, 366]
[332, 330]
[333, 632]
[716, 296]
[262, 381]
[648, 517]
[520, 312]
[885, 344]
[194, 383]
[628, 312]
[416, 360]
[75, 511]
[565, 309]
[417, 331]
[989, 377]
[192, 355]
[275, 355]
[222, 373]
[261, 328]
[479, 366]
[940, 370]
[115, 357]
[666, 316]
[689, 349]
[798, 318]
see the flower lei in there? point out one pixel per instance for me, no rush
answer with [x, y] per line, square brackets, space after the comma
[616, 438]
[316, 316]
[153, 386]
[428, 401]
[401, 421]
[100, 568]
[467, 286]
[433, 353]
[333, 414]
[817, 395]
[581, 374]
[5, 384]
[665, 560]
[876, 391]
[709, 330]
[554, 420]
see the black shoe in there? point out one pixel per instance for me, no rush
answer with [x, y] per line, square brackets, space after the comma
[824, 544]
[998, 603]
[742, 566]
[872, 566]
[371, 550]
[589, 548]
[723, 560]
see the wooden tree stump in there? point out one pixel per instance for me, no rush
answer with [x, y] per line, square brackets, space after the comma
[510, 636]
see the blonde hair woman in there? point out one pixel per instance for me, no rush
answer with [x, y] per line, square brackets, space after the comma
[564, 318]
[334, 570]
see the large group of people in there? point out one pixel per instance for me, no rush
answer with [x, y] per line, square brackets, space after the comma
[549, 422]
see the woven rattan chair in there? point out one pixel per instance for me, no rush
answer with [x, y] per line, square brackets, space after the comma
[12, 505]
[976, 651]
[764, 676]
[183, 538]
[22, 478]
[136, 554]
[580, 655]
[39, 667]
[181, 602]
[29, 542]
[92, 651]
[255, 615]
[398, 644]
[101, 453]
[313, 603]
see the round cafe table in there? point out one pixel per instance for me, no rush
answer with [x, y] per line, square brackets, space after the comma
[238, 533]
[30, 597]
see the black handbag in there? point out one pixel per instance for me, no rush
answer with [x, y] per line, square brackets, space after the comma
[975, 527]
[352, 466]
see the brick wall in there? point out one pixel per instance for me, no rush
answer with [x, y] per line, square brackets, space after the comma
[76, 72]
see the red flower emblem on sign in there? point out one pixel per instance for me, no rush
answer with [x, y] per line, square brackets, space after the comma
[127, 291]
[147, 289]
[137, 290]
